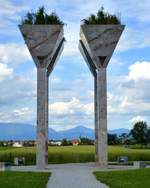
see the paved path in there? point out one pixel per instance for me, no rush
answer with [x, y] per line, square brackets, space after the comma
[73, 176]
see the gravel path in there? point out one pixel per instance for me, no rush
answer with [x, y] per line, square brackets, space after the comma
[73, 176]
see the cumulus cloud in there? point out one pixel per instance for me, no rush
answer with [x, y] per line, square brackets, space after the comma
[131, 92]
[18, 90]
[24, 114]
[13, 54]
[5, 71]
[139, 71]
[134, 38]
[136, 119]
[10, 16]
[8, 8]
[71, 107]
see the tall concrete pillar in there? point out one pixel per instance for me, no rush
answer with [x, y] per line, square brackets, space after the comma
[97, 44]
[95, 117]
[45, 43]
[101, 126]
[42, 118]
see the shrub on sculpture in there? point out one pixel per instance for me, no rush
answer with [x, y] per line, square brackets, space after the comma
[102, 18]
[41, 17]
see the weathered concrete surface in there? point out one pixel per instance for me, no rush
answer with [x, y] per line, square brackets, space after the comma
[101, 110]
[45, 43]
[42, 118]
[97, 44]
[42, 41]
[100, 41]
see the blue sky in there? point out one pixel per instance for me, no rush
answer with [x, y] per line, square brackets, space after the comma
[71, 83]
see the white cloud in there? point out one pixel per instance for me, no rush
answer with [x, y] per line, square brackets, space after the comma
[8, 8]
[130, 94]
[17, 91]
[10, 16]
[136, 119]
[71, 107]
[134, 38]
[5, 71]
[13, 54]
[24, 114]
[139, 71]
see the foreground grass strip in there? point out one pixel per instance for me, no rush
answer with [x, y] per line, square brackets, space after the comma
[125, 179]
[23, 180]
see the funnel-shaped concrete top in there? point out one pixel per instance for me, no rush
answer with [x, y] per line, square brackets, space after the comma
[100, 41]
[42, 41]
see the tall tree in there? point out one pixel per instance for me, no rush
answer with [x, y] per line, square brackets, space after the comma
[140, 132]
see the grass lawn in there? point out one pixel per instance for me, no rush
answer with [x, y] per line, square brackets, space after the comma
[72, 154]
[23, 180]
[125, 179]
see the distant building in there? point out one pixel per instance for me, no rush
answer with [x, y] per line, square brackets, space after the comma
[75, 142]
[55, 143]
[17, 144]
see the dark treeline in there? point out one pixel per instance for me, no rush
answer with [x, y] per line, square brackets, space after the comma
[139, 134]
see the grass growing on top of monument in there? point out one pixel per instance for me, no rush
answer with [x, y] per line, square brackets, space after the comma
[23, 180]
[72, 154]
[125, 179]
[101, 18]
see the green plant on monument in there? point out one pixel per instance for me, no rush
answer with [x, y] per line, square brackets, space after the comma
[102, 18]
[41, 17]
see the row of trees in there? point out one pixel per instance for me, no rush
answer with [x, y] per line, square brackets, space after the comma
[139, 134]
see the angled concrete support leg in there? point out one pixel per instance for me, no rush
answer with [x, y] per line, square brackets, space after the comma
[101, 101]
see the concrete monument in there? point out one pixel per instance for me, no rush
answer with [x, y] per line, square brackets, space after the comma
[45, 43]
[97, 44]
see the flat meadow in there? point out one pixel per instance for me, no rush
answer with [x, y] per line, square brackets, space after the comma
[72, 154]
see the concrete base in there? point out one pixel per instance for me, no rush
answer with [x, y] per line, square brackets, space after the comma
[101, 166]
[2, 166]
[139, 164]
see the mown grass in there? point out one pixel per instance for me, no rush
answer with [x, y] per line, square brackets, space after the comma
[69, 154]
[23, 180]
[125, 179]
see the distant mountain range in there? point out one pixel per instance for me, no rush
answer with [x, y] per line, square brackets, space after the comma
[20, 131]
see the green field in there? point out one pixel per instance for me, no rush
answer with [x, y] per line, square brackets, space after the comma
[68, 154]
[125, 179]
[23, 180]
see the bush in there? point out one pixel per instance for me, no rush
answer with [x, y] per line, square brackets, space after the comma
[41, 17]
[102, 17]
